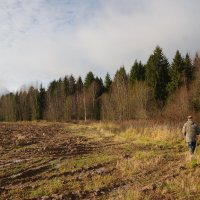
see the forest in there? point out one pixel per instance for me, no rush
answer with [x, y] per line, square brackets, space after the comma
[151, 90]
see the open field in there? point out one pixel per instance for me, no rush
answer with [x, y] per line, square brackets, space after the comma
[95, 161]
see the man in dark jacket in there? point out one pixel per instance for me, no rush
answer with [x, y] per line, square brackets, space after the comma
[190, 130]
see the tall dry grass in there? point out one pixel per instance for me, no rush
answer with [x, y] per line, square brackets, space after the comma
[152, 130]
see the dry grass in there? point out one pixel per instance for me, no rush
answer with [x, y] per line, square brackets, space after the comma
[127, 131]
[184, 186]
[138, 162]
[81, 162]
[150, 133]
[153, 154]
[130, 194]
[46, 187]
[98, 181]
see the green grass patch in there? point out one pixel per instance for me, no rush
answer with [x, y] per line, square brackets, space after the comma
[11, 169]
[129, 195]
[137, 162]
[84, 162]
[193, 163]
[46, 187]
[144, 155]
[184, 187]
[98, 181]
[18, 166]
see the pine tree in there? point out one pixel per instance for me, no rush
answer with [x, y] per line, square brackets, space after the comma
[157, 74]
[188, 70]
[72, 85]
[107, 82]
[66, 85]
[121, 76]
[52, 87]
[79, 98]
[41, 102]
[176, 72]
[99, 87]
[137, 72]
[99, 90]
[79, 84]
[89, 79]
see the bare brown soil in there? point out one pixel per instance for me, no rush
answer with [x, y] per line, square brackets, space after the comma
[75, 166]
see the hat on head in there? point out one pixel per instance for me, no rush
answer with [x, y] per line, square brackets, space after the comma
[189, 117]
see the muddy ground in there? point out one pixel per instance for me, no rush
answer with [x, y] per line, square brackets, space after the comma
[74, 161]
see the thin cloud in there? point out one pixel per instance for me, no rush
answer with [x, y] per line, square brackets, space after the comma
[46, 39]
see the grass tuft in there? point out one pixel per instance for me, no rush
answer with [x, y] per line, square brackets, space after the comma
[46, 187]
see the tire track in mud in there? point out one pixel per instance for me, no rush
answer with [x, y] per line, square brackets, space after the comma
[35, 172]
[57, 144]
[138, 180]
[165, 170]
[142, 181]
[23, 174]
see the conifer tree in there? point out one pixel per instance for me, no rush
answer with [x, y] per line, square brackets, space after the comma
[72, 85]
[157, 74]
[137, 72]
[89, 79]
[188, 70]
[196, 86]
[52, 87]
[99, 87]
[176, 72]
[107, 82]
[79, 98]
[79, 84]
[66, 85]
[18, 114]
[41, 102]
[121, 75]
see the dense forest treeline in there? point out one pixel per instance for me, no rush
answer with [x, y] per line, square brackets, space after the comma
[148, 90]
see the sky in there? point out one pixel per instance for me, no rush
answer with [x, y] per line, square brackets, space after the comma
[43, 40]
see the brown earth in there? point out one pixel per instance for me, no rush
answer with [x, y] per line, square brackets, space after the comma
[69, 161]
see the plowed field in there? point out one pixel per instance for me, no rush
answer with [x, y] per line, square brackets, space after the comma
[77, 161]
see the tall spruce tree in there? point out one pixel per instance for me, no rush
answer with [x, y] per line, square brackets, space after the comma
[196, 88]
[41, 98]
[89, 79]
[157, 74]
[72, 85]
[52, 87]
[188, 70]
[66, 85]
[107, 82]
[176, 72]
[121, 76]
[79, 84]
[137, 72]
[99, 87]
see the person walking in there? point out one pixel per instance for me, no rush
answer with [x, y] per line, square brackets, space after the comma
[190, 131]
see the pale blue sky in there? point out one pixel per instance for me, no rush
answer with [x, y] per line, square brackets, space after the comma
[42, 40]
